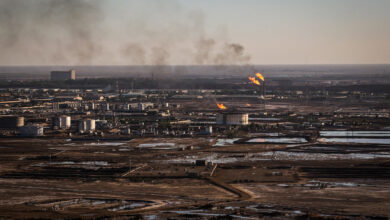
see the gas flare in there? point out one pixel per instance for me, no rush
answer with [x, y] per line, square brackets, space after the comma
[221, 106]
[254, 80]
[260, 76]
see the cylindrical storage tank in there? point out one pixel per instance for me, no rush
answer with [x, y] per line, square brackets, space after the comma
[232, 119]
[237, 119]
[90, 125]
[91, 106]
[56, 123]
[82, 126]
[20, 122]
[65, 121]
[106, 107]
[209, 129]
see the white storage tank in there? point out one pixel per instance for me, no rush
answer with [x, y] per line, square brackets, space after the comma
[82, 126]
[65, 122]
[91, 124]
[141, 106]
[209, 129]
[20, 122]
[62, 122]
[91, 106]
[126, 107]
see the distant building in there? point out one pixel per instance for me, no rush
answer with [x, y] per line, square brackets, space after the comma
[200, 162]
[126, 131]
[106, 106]
[31, 131]
[63, 75]
[209, 130]
[145, 105]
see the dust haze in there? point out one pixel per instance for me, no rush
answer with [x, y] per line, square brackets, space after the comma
[81, 32]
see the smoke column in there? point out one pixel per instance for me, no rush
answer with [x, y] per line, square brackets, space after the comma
[83, 32]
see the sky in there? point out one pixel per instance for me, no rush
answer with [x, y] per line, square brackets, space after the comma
[306, 31]
[194, 32]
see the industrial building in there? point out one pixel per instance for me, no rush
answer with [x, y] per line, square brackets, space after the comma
[232, 119]
[31, 131]
[63, 75]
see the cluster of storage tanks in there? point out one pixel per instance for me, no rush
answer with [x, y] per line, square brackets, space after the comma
[87, 126]
[11, 122]
[16, 122]
[62, 122]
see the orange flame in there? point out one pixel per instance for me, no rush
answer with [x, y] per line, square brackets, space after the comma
[254, 80]
[248, 105]
[260, 76]
[221, 106]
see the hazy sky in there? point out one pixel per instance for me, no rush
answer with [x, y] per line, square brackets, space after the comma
[125, 32]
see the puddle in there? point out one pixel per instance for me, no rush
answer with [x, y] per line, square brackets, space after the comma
[355, 133]
[215, 158]
[278, 140]
[150, 217]
[94, 165]
[314, 184]
[264, 119]
[104, 144]
[356, 140]
[277, 155]
[266, 134]
[201, 212]
[129, 206]
[159, 146]
[271, 211]
[231, 208]
[338, 149]
[280, 155]
[225, 142]
[109, 204]
[335, 184]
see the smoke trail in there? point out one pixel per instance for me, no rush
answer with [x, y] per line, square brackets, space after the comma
[136, 53]
[232, 53]
[76, 32]
[204, 49]
[49, 30]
